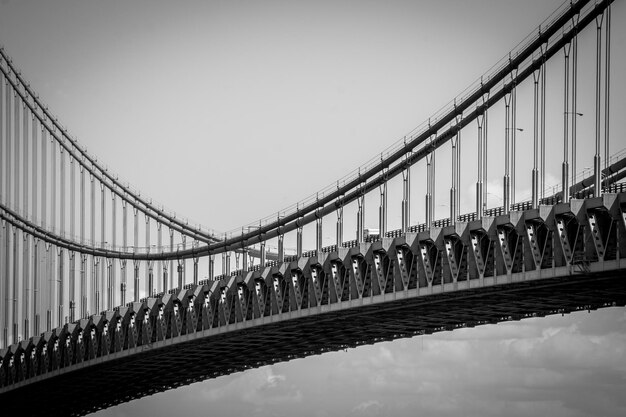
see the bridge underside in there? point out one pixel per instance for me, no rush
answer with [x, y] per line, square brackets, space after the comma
[196, 358]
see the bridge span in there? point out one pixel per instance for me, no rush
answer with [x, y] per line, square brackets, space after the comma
[75, 240]
[554, 259]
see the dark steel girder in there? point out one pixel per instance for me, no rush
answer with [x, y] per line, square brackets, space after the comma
[107, 383]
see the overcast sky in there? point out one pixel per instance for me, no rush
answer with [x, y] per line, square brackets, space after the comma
[228, 111]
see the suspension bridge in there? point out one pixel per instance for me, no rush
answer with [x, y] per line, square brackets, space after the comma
[100, 285]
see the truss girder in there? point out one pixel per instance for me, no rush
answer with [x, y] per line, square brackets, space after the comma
[403, 268]
[537, 237]
[316, 305]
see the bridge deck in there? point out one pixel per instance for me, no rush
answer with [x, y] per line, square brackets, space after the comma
[185, 359]
[554, 259]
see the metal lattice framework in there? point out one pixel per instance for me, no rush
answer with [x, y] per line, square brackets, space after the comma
[526, 264]
[558, 251]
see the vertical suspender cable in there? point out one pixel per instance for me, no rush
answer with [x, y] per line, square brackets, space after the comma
[195, 270]
[507, 153]
[26, 276]
[50, 274]
[565, 165]
[36, 295]
[72, 289]
[136, 245]
[211, 266]
[3, 341]
[479, 182]
[26, 157]
[109, 295]
[15, 285]
[7, 123]
[45, 281]
[485, 153]
[458, 169]
[148, 271]
[456, 162]
[360, 219]
[574, 100]
[433, 177]
[112, 301]
[244, 262]
[61, 296]
[16, 138]
[2, 139]
[607, 87]
[136, 281]
[261, 257]
[150, 280]
[535, 172]
[4, 228]
[17, 279]
[339, 225]
[27, 281]
[92, 236]
[35, 163]
[53, 184]
[36, 270]
[163, 285]
[543, 123]
[4, 169]
[104, 277]
[83, 258]
[406, 198]
[318, 232]
[597, 160]
[281, 248]
[180, 270]
[298, 240]
[54, 279]
[125, 249]
[183, 262]
[429, 197]
[453, 141]
[513, 140]
[7, 281]
[62, 232]
[4, 274]
[103, 241]
[171, 261]
[382, 213]
[83, 286]
[95, 287]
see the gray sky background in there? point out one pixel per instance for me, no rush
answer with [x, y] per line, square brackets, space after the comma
[228, 111]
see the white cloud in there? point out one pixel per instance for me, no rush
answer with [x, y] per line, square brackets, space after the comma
[257, 391]
[369, 408]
